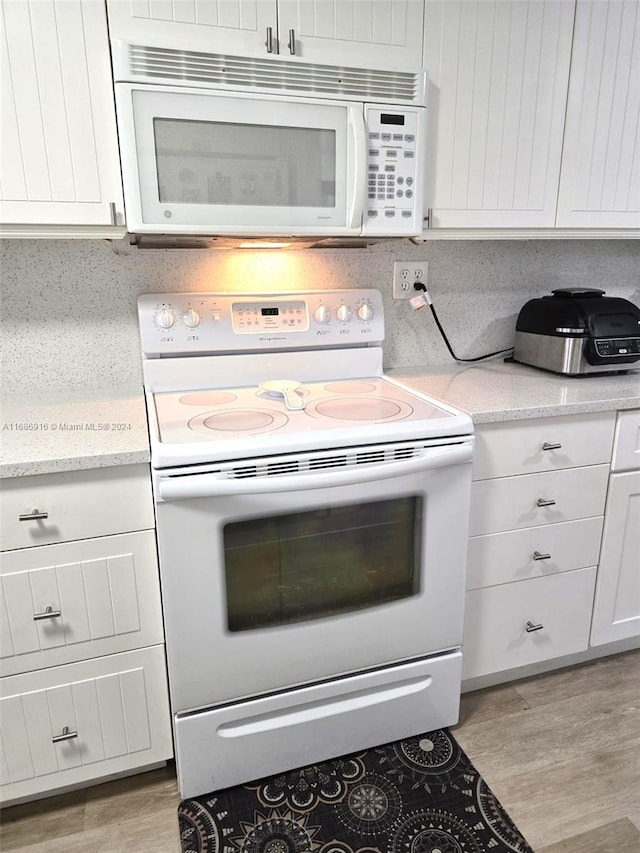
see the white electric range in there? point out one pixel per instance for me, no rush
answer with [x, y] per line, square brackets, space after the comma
[312, 518]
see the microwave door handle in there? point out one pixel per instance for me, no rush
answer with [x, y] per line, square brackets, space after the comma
[358, 157]
[212, 486]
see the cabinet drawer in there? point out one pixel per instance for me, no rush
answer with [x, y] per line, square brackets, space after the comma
[76, 505]
[511, 503]
[571, 441]
[75, 723]
[626, 447]
[533, 552]
[70, 602]
[495, 632]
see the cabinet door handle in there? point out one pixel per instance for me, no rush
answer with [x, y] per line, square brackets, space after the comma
[549, 446]
[529, 627]
[49, 613]
[269, 41]
[538, 556]
[543, 502]
[113, 213]
[292, 42]
[34, 515]
[66, 735]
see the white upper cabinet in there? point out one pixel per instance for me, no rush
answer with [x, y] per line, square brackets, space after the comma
[498, 74]
[383, 34]
[59, 163]
[600, 178]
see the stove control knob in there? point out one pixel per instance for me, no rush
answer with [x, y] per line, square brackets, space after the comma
[365, 312]
[191, 319]
[164, 319]
[344, 314]
[322, 315]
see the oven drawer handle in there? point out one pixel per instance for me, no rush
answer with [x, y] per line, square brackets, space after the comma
[211, 485]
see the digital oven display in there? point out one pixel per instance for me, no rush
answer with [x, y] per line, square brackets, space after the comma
[270, 312]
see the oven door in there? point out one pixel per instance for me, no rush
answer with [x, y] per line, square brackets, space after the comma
[272, 580]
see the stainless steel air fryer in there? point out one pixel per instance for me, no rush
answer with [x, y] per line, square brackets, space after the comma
[577, 331]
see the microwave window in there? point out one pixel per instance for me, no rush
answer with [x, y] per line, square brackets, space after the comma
[320, 563]
[205, 162]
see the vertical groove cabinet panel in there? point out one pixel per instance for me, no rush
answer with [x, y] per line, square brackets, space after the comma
[384, 34]
[114, 708]
[103, 601]
[60, 163]
[208, 26]
[600, 178]
[616, 611]
[498, 76]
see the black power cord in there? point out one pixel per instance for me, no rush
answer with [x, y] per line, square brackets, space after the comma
[419, 302]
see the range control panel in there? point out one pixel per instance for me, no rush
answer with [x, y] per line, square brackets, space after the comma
[198, 323]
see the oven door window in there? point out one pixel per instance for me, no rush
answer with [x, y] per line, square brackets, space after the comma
[319, 563]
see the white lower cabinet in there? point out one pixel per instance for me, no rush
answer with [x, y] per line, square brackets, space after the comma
[616, 611]
[79, 722]
[515, 624]
[554, 558]
[83, 692]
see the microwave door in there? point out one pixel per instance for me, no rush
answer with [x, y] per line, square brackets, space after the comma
[210, 163]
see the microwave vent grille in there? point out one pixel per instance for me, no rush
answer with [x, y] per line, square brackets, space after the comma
[235, 73]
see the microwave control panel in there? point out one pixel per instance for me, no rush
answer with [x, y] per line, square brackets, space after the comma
[198, 323]
[395, 170]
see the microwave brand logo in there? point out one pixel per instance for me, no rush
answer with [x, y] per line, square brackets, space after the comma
[268, 338]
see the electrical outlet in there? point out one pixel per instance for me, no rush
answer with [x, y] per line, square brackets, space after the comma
[405, 273]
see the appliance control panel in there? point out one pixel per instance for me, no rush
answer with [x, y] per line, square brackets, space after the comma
[395, 170]
[199, 323]
[615, 347]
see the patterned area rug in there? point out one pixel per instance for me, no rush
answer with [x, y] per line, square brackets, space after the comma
[420, 795]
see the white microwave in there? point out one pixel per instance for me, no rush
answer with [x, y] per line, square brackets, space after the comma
[201, 155]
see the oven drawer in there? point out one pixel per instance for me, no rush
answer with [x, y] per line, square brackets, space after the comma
[237, 743]
[74, 505]
[511, 503]
[73, 601]
[497, 618]
[533, 552]
[626, 450]
[115, 711]
[542, 444]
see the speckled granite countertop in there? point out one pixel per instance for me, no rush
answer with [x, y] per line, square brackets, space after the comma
[71, 433]
[498, 391]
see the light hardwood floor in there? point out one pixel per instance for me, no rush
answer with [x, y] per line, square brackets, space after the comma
[561, 751]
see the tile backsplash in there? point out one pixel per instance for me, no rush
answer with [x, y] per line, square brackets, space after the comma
[68, 308]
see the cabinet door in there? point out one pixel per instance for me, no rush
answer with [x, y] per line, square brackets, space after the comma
[498, 76]
[71, 724]
[210, 26]
[385, 34]
[59, 162]
[616, 612]
[600, 180]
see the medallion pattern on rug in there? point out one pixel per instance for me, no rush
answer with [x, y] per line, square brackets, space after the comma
[419, 795]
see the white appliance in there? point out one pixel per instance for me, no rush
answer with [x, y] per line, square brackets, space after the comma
[206, 149]
[312, 521]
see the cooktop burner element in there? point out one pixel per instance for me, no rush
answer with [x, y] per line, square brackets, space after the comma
[376, 409]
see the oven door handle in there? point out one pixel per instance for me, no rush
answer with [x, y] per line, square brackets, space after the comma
[213, 486]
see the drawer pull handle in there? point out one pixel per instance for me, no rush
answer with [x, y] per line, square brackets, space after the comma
[549, 446]
[49, 613]
[66, 735]
[543, 502]
[538, 556]
[34, 515]
[531, 627]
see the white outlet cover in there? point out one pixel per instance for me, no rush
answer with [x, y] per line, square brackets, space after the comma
[405, 273]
